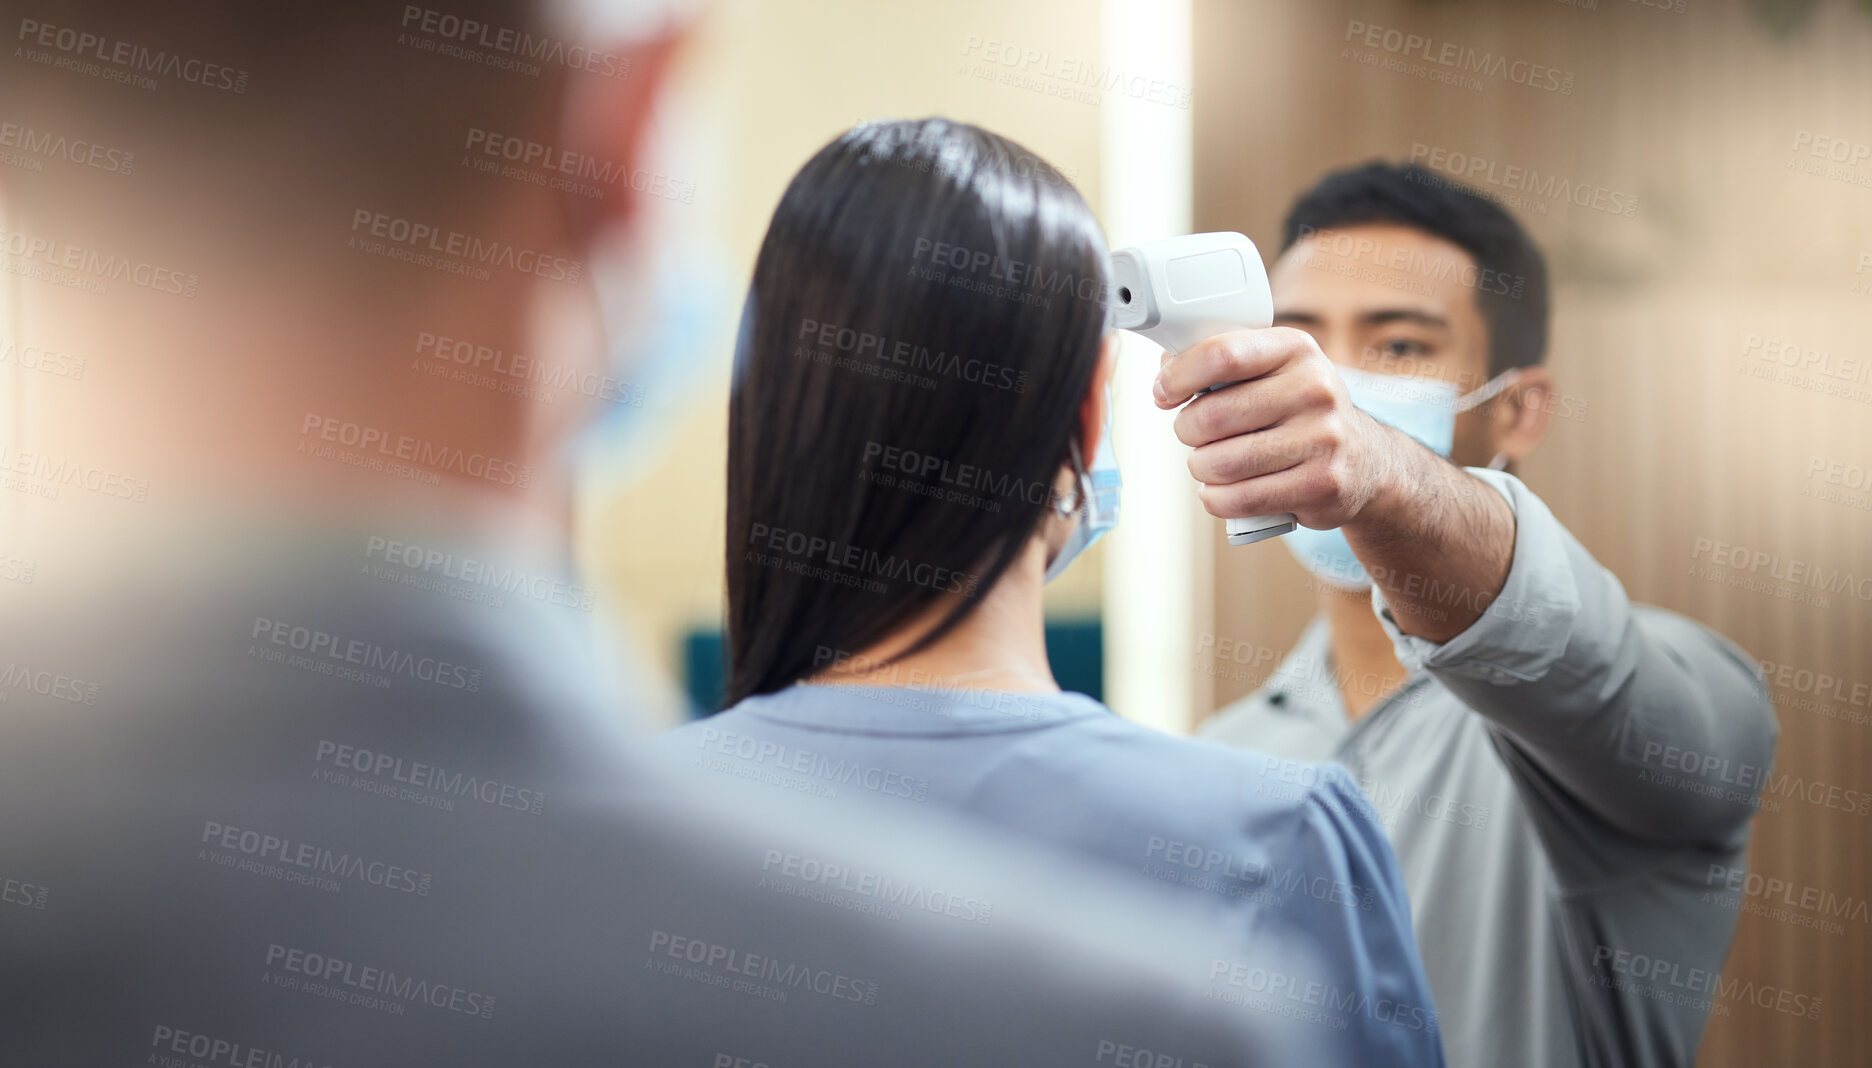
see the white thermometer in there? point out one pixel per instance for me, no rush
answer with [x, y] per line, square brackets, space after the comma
[1181, 290]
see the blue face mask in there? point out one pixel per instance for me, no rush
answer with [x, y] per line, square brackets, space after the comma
[1097, 503]
[660, 301]
[1424, 408]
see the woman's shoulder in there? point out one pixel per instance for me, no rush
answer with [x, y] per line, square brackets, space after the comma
[1211, 782]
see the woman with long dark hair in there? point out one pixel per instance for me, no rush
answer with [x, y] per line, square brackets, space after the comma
[918, 440]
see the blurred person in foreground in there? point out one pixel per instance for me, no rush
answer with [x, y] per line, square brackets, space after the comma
[1567, 776]
[915, 449]
[305, 758]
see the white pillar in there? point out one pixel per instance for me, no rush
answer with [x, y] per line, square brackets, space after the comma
[1155, 562]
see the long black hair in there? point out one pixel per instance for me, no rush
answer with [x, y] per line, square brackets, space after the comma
[924, 321]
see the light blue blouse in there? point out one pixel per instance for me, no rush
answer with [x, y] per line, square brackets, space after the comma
[1312, 924]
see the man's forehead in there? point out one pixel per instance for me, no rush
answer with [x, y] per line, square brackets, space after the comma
[1368, 240]
[1373, 269]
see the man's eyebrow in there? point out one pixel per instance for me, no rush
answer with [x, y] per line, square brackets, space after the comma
[1304, 317]
[1404, 315]
[1297, 317]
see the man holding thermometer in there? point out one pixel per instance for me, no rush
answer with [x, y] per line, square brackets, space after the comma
[1525, 743]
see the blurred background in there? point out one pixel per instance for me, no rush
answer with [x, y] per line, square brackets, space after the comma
[1701, 184]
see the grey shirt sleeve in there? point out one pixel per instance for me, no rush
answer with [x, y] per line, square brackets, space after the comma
[1649, 721]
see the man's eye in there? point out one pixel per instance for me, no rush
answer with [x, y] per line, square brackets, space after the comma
[1402, 348]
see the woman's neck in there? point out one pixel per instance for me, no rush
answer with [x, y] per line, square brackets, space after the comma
[1001, 645]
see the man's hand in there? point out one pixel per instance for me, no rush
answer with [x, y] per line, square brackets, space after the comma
[1284, 438]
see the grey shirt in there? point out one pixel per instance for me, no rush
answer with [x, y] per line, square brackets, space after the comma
[1568, 785]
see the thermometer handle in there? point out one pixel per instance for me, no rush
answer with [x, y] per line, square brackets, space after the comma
[1259, 527]
[1248, 530]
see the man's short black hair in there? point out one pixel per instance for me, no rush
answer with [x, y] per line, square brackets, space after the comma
[1510, 281]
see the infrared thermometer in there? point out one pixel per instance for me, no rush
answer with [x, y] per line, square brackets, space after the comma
[1181, 290]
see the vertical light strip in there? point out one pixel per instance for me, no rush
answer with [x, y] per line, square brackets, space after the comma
[1150, 575]
[12, 390]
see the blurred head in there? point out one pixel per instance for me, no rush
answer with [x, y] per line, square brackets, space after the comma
[342, 231]
[1396, 269]
[922, 346]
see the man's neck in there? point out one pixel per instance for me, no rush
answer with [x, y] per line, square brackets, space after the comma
[1365, 664]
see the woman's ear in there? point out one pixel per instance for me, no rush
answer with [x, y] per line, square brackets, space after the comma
[1092, 405]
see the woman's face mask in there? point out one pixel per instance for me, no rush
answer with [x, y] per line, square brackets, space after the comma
[1424, 408]
[1097, 505]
